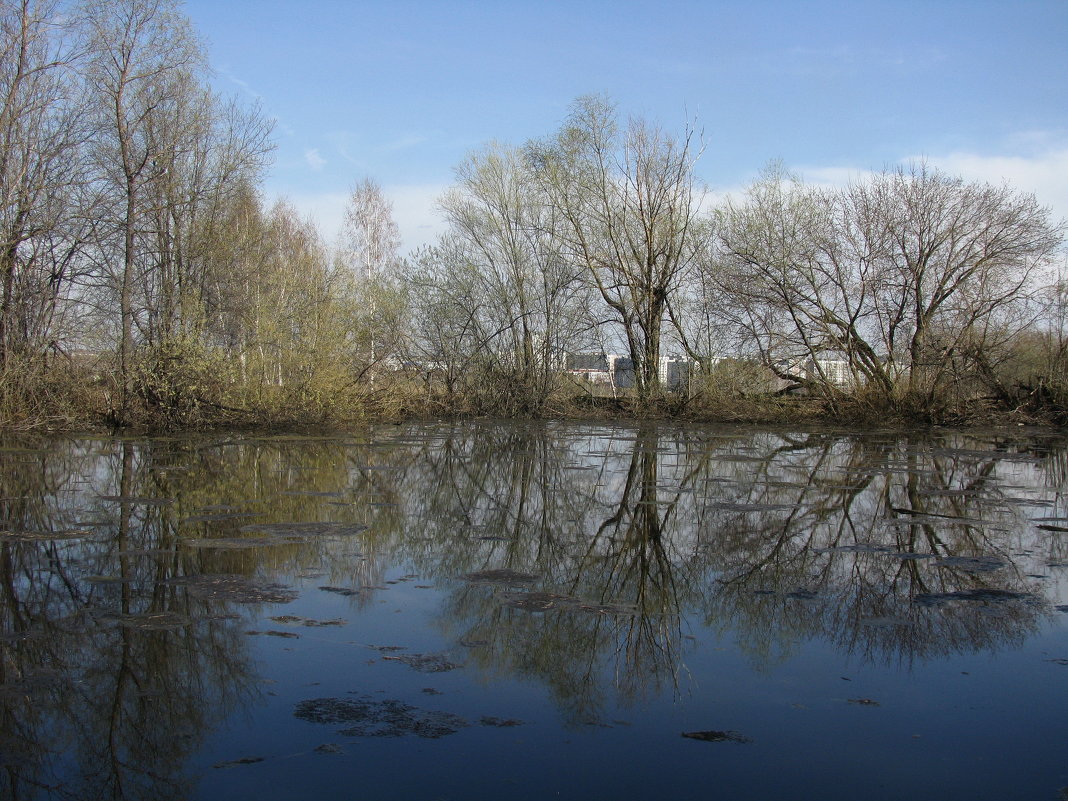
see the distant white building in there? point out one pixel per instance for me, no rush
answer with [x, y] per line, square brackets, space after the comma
[833, 371]
[618, 371]
[675, 372]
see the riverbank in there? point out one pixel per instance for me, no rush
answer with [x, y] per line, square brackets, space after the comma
[81, 400]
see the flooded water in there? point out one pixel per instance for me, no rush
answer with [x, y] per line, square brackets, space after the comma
[462, 611]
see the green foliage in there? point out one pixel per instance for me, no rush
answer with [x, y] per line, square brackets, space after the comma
[57, 393]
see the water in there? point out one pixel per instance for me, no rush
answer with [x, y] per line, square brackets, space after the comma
[459, 611]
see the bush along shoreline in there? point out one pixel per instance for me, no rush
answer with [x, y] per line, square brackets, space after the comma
[65, 399]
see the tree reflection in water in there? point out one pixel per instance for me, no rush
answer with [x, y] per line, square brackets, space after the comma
[623, 544]
[783, 538]
[114, 668]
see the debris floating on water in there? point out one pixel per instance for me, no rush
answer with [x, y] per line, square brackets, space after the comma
[426, 663]
[369, 717]
[713, 736]
[235, 762]
[501, 576]
[237, 589]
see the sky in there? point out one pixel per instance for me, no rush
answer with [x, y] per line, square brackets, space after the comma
[401, 90]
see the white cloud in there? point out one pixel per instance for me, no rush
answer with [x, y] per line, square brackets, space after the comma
[1041, 169]
[414, 210]
[325, 209]
[831, 176]
[314, 160]
[1044, 174]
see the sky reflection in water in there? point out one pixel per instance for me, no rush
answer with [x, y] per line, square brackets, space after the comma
[532, 611]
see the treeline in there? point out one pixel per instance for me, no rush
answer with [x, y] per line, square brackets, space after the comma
[144, 282]
[910, 293]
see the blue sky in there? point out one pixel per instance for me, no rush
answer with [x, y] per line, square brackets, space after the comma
[401, 91]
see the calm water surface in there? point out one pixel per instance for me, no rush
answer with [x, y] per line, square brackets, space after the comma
[467, 611]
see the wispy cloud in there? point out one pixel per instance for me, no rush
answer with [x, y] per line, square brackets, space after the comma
[847, 57]
[281, 126]
[247, 88]
[314, 160]
[344, 143]
[404, 143]
[242, 84]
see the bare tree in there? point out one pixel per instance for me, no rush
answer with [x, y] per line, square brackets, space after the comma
[629, 205]
[908, 277]
[367, 265]
[43, 223]
[143, 55]
[370, 238]
[209, 151]
[534, 304]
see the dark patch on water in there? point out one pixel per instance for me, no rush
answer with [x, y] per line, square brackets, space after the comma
[151, 621]
[985, 595]
[40, 680]
[365, 716]
[615, 609]
[864, 702]
[39, 536]
[295, 620]
[109, 579]
[240, 543]
[232, 763]
[885, 622]
[237, 589]
[136, 500]
[715, 736]
[972, 564]
[318, 529]
[487, 720]
[500, 576]
[288, 635]
[538, 601]
[729, 506]
[211, 517]
[425, 663]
